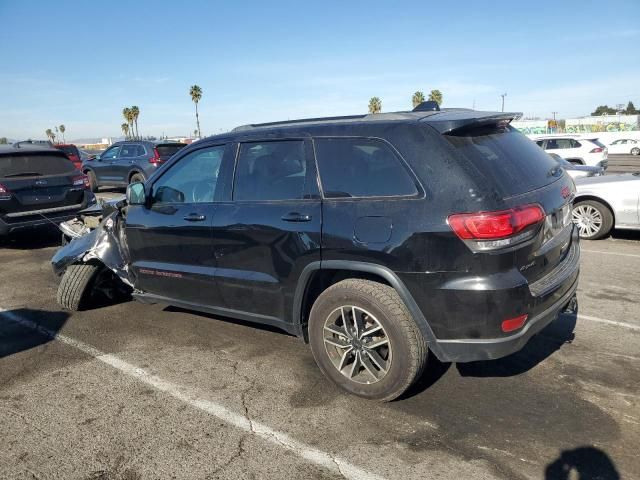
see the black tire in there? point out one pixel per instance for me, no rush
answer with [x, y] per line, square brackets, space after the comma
[136, 177]
[408, 348]
[93, 181]
[605, 214]
[75, 286]
[635, 151]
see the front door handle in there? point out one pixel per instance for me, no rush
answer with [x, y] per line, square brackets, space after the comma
[296, 217]
[194, 217]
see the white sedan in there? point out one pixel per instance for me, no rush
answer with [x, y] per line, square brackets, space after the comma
[625, 146]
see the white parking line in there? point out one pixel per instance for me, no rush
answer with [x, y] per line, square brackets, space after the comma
[611, 253]
[321, 458]
[608, 322]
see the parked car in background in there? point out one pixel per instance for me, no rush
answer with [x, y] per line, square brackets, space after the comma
[604, 203]
[576, 149]
[126, 162]
[626, 146]
[39, 186]
[72, 152]
[376, 237]
[42, 143]
[577, 171]
[86, 156]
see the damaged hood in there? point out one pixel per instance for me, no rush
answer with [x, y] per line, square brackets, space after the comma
[106, 244]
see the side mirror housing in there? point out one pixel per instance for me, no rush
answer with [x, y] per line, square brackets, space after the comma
[136, 194]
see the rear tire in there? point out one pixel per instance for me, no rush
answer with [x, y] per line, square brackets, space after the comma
[74, 288]
[593, 219]
[635, 151]
[136, 177]
[93, 181]
[380, 365]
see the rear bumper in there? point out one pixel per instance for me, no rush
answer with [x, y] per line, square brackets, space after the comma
[15, 226]
[470, 350]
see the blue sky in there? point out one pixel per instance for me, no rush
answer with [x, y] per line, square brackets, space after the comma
[79, 63]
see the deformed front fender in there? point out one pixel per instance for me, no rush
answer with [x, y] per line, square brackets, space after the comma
[105, 243]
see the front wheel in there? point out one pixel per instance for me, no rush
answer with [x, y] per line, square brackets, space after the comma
[136, 177]
[93, 181]
[364, 339]
[635, 151]
[593, 219]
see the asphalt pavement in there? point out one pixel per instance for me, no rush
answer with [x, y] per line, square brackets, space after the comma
[133, 391]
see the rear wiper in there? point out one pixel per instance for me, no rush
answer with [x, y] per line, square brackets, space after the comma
[23, 174]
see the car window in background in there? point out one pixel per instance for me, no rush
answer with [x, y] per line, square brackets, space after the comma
[167, 150]
[270, 171]
[34, 165]
[361, 167]
[110, 153]
[574, 143]
[192, 180]
[69, 150]
[597, 142]
[540, 143]
[564, 143]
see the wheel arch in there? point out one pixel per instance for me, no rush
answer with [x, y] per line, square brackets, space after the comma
[595, 198]
[134, 172]
[318, 276]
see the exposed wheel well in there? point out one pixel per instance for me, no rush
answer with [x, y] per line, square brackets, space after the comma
[135, 172]
[599, 200]
[321, 280]
[576, 161]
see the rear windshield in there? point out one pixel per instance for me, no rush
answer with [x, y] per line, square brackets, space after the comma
[34, 165]
[597, 142]
[169, 149]
[505, 156]
[69, 150]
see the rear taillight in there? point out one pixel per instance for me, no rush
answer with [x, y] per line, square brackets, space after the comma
[5, 193]
[491, 230]
[597, 150]
[81, 181]
[155, 160]
[512, 324]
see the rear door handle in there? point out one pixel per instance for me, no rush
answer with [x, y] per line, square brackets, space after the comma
[194, 217]
[296, 217]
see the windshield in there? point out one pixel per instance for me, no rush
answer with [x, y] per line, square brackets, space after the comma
[505, 155]
[34, 165]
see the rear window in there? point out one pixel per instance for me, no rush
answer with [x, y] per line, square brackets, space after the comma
[361, 167]
[69, 150]
[506, 157]
[34, 165]
[597, 142]
[169, 149]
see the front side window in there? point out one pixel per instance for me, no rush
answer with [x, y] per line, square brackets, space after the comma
[361, 167]
[110, 154]
[270, 171]
[193, 179]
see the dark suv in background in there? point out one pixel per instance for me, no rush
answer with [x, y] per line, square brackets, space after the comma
[126, 162]
[374, 237]
[39, 186]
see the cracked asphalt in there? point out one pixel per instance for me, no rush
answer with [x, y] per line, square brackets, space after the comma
[134, 391]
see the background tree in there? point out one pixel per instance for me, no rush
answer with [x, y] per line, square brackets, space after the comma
[125, 130]
[49, 133]
[417, 98]
[3, 140]
[436, 96]
[63, 129]
[196, 94]
[375, 105]
[135, 113]
[126, 113]
[56, 128]
[604, 110]
[631, 109]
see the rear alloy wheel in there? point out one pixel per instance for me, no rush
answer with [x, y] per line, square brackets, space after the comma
[635, 151]
[136, 177]
[593, 219]
[364, 339]
[93, 181]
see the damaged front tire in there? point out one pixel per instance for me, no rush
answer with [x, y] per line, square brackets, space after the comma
[74, 289]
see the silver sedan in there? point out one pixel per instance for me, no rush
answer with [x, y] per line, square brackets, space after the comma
[603, 203]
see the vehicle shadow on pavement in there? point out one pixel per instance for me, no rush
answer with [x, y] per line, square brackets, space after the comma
[583, 463]
[34, 239]
[540, 347]
[19, 329]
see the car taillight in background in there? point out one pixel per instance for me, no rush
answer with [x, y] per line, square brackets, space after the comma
[492, 230]
[81, 181]
[5, 193]
[155, 160]
[597, 150]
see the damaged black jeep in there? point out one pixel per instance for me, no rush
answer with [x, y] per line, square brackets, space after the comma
[375, 238]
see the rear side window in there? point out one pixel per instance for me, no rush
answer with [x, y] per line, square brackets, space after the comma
[128, 151]
[168, 149]
[598, 142]
[361, 167]
[69, 150]
[505, 157]
[34, 165]
[575, 144]
[270, 171]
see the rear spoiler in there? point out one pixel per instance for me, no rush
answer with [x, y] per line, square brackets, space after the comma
[449, 122]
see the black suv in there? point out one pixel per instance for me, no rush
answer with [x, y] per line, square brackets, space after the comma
[39, 186]
[375, 238]
[126, 162]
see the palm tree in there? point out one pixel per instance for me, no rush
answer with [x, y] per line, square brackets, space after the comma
[196, 94]
[436, 96]
[62, 130]
[135, 113]
[417, 98]
[375, 105]
[49, 133]
[125, 129]
[126, 113]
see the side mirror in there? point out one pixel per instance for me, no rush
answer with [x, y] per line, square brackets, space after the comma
[136, 194]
